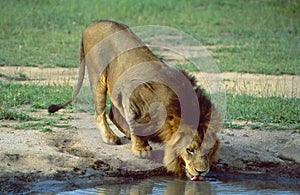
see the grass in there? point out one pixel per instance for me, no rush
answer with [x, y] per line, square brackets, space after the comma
[24, 104]
[243, 36]
[248, 36]
[263, 112]
[20, 103]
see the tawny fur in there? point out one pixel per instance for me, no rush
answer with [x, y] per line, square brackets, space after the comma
[120, 50]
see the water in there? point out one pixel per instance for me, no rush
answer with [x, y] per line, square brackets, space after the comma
[174, 186]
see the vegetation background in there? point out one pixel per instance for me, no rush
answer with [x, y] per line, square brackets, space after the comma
[244, 35]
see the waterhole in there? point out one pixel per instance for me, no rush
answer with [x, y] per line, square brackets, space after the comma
[174, 186]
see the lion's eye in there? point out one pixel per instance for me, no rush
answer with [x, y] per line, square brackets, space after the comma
[190, 151]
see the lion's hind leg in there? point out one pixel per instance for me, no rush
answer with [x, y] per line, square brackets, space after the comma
[108, 136]
[119, 121]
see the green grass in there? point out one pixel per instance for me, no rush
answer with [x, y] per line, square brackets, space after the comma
[243, 36]
[265, 112]
[249, 36]
[38, 96]
[23, 103]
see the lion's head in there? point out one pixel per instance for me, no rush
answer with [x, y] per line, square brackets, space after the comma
[198, 162]
[191, 152]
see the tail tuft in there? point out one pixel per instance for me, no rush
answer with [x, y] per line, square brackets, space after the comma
[53, 108]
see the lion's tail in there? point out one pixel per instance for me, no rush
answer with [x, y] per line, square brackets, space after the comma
[53, 108]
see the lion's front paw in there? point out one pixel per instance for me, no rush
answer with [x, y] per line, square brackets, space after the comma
[142, 152]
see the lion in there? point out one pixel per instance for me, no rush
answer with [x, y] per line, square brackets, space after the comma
[150, 101]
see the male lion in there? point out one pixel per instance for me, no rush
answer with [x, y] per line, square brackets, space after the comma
[149, 100]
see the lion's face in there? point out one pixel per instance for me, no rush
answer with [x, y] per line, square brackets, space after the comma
[197, 161]
[195, 155]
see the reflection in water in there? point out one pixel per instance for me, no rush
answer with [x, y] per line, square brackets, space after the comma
[174, 186]
[160, 186]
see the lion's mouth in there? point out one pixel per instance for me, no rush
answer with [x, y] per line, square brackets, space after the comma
[197, 178]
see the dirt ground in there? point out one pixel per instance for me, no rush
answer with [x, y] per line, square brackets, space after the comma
[70, 157]
[253, 84]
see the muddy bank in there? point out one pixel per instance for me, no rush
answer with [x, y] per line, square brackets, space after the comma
[89, 176]
[77, 158]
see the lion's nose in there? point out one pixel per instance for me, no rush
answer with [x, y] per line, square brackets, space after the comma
[200, 172]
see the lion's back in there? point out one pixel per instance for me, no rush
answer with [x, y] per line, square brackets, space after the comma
[97, 31]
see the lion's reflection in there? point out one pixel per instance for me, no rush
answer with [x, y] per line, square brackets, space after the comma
[165, 186]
